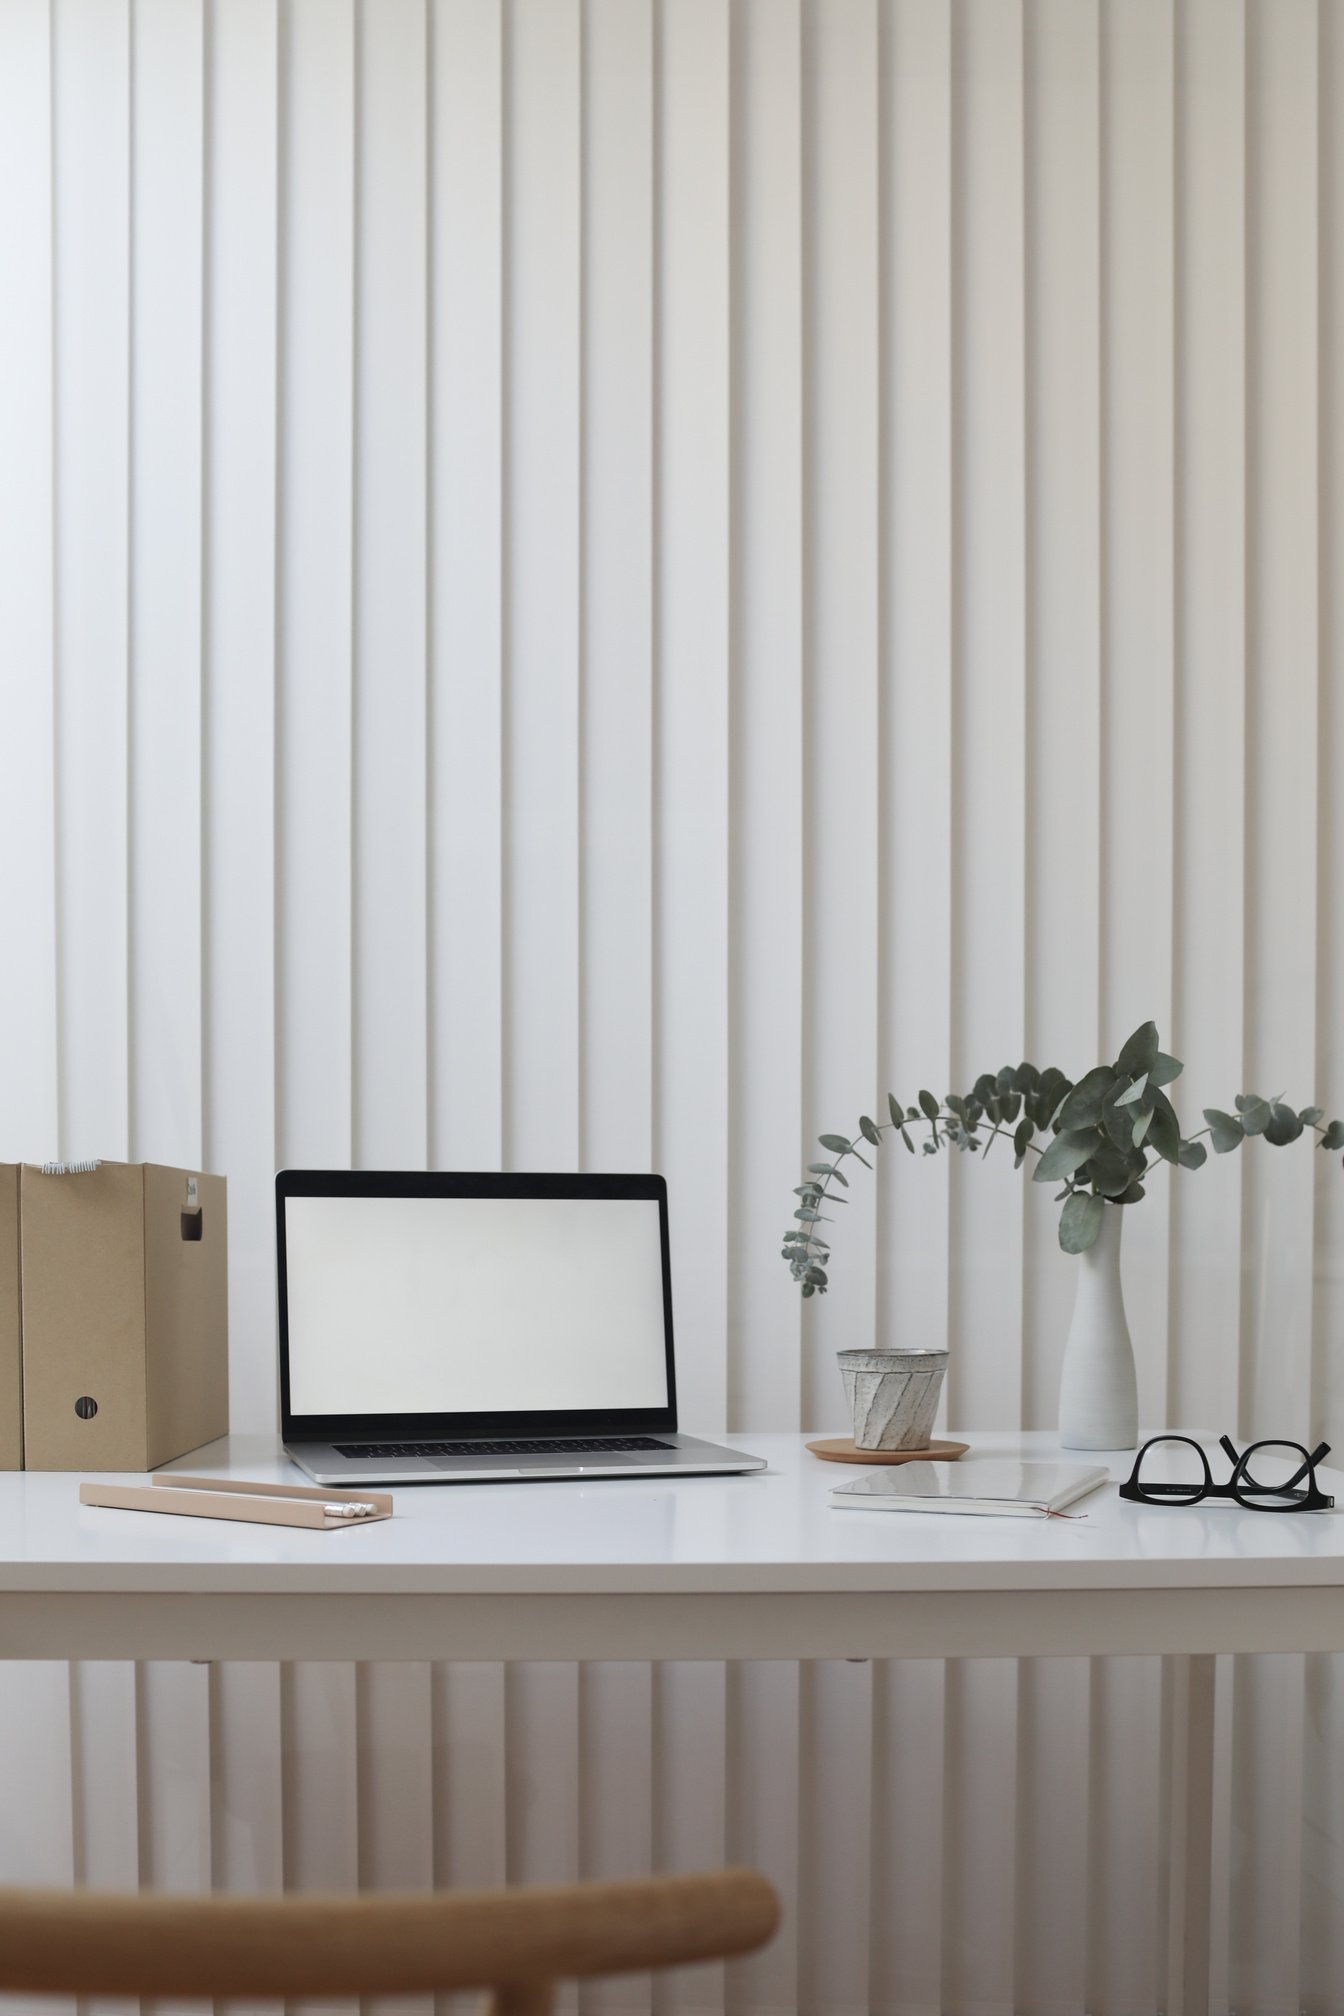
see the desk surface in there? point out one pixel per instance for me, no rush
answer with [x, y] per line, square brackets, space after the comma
[774, 1531]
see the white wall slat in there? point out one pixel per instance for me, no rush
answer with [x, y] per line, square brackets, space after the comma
[1064, 761]
[239, 670]
[394, 1711]
[691, 576]
[314, 978]
[27, 560]
[164, 762]
[914, 1032]
[988, 683]
[91, 153]
[542, 1799]
[690, 1817]
[763, 1756]
[173, 1753]
[766, 729]
[465, 585]
[615, 1797]
[1138, 602]
[840, 646]
[616, 586]
[542, 535]
[1210, 172]
[389, 955]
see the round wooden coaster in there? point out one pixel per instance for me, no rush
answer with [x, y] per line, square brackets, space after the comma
[844, 1450]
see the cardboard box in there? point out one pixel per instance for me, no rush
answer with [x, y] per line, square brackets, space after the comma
[11, 1348]
[125, 1315]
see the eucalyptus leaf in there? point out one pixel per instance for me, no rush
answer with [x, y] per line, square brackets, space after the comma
[808, 1216]
[839, 1177]
[1141, 1126]
[869, 1131]
[908, 1142]
[836, 1143]
[821, 1168]
[1134, 1195]
[1284, 1125]
[1140, 1053]
[929, 1105]
[1311, 1114]
[1109, 1171]
[1134, 1092]
[1225, 1132]
[1080, 1221]
[1165, 1069]
[1256, 1113]
[894, 1108]
[1164, 1133]
[860, 1158]
[1333, 1136]
[1022, 1135]
[807, 1190]
[1067, 1152]
[808, 1289]
[817, 1276]
[1082, 1108]
[1193, 1154]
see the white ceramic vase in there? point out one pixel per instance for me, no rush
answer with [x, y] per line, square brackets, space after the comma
[1098, 1390]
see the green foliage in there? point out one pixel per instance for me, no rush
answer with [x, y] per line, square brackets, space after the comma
[1106, 1133]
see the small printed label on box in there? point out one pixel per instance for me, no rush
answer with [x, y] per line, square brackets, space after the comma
[191, 1189]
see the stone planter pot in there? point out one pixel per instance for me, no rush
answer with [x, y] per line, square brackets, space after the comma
[893, 1396]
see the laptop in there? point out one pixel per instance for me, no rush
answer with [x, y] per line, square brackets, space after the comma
[439, 1329]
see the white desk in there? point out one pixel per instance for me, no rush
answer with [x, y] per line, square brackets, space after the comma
[755, 1567]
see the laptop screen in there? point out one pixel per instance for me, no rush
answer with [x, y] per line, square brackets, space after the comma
[485, 1305]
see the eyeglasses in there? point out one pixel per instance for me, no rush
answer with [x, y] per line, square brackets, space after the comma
[1267, 1477]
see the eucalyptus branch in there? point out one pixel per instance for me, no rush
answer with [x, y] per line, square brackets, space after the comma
[1108, 1132]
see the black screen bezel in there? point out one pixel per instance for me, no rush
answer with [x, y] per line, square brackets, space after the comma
[446, 1426]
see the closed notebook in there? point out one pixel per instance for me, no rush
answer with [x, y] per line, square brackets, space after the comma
[992, 1487]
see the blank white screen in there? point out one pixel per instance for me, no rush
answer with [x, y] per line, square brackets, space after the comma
[473, 1305]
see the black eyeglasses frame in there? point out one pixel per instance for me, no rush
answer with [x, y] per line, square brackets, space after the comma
[1242, 1486]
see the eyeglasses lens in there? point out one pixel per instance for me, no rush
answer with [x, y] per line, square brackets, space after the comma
[1271, 1474]
[1172, 1472]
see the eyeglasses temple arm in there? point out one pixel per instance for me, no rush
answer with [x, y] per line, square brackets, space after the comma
[1321, 1450]
[1228, 1447]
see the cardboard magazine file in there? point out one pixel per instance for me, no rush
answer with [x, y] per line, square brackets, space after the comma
[11, 1350]
[125, 1315]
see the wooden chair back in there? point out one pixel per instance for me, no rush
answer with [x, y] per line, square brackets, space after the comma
[516, 1943]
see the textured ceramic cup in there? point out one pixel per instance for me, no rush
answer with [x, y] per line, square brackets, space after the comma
[893, 1396]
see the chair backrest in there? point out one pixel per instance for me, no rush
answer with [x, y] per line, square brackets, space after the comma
[515, 1942]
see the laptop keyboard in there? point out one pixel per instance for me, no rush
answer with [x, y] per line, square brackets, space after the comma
[608, 1444]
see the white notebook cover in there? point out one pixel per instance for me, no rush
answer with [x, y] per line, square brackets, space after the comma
[990, 1485]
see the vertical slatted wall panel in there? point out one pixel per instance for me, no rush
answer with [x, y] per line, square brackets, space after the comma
[593, 584]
